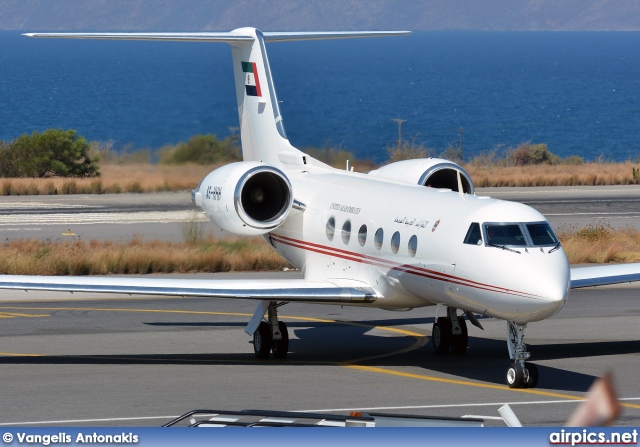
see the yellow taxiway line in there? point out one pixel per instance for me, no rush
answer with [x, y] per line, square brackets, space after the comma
[351, 364]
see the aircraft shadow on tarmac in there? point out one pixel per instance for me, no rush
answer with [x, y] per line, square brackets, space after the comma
[315, 343]
[297, 324]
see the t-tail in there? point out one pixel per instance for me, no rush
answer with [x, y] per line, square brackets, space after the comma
[262, 129]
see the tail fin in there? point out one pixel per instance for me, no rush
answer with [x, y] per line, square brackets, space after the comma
[261, 125]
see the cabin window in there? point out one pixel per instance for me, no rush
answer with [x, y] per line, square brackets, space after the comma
[474, 236]
[362, 235]
[413, 246]
[395, 242]
[331, 228]
[378, 239]
[346, 232]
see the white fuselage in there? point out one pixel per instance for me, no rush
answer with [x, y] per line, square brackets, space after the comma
[436, 267]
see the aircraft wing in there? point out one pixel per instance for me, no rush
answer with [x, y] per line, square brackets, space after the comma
[601, 275]
[301, 290]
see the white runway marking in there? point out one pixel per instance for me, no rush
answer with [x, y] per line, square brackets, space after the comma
[626, 214]
[28, 205]
[77, 421]
[22, 229]
[102, 218]
[333, 410]
[419, 407]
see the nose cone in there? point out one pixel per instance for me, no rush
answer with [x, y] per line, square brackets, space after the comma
[550, 285]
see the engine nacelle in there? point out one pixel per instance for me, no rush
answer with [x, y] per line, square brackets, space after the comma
[245, 198]
[431, 172]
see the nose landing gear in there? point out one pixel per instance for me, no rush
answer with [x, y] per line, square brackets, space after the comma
[520, 374]
[449, 334]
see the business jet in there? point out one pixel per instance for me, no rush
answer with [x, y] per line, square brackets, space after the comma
[410, 234]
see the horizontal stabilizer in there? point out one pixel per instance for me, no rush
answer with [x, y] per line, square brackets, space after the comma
[284, 37]
[277, 290]
[602, 275]
[228, 37]
[176, 37]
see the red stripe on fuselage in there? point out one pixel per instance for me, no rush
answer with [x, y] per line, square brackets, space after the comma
[380, 262]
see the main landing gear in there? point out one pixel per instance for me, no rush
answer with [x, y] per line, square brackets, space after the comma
[450, 334]
[520, 374]
[271, 336]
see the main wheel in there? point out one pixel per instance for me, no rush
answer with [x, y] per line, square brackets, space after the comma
[459, 342]
[262, 341]
[531, 375]
[515, 376]
[280, 348]
[441, 336]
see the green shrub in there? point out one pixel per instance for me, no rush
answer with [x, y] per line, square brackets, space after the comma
[573, 160]
[595, 231]
[55, 152]
[453, 153]
[533, 154]
[202, 149]
[408, 151]
[135, 187]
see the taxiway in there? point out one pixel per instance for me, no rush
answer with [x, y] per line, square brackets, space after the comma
[106, 360]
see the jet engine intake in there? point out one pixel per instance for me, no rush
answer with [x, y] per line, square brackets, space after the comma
[430, 172]
[245, 197]
[263, 197]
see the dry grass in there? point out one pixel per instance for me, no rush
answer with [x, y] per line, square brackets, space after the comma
[600, 243]
[557, 175]
[595, 243]
[34, 257]
[149, 178]
[114, 179]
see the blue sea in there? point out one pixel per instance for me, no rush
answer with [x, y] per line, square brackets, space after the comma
[577, 92]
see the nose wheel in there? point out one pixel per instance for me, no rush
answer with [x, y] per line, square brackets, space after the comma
[520, 374]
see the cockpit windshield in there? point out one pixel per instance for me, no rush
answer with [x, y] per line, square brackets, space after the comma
[541, 234]
[526, 234]
[505, 234]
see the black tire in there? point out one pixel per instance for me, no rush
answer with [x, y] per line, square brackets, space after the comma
[531, 377]
[280, 348]
[459, 342]
[515, 376]
[441, 336]
[262, 341]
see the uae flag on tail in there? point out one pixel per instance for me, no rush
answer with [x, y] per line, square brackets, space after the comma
[251, 81]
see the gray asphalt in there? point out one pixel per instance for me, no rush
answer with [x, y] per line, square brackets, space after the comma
[117, 217]
[165, 216]
[139, 362]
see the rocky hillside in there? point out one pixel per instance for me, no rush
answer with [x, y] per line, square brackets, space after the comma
[417, 15]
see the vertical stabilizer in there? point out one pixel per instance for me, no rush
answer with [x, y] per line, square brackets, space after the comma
[261, 126]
